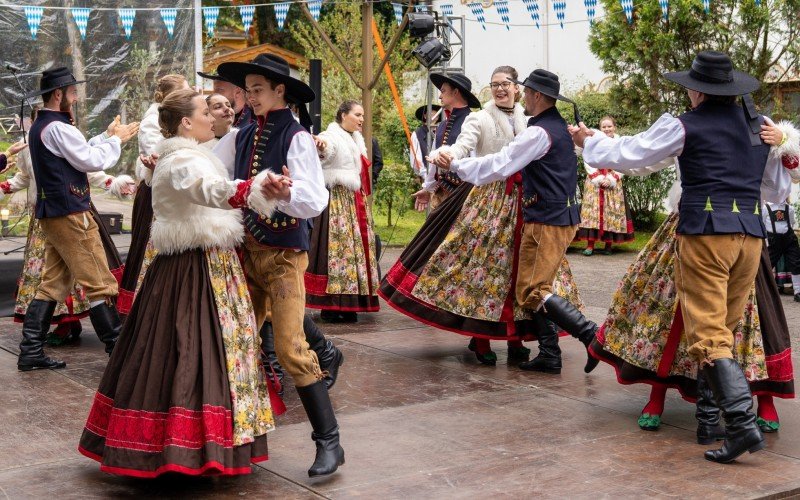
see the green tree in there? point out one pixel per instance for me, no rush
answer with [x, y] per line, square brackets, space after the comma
[758, 38]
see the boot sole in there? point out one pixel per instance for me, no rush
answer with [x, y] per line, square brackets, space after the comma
[32, 368]
[329, 473]
[756, 447]
[707, 441]
[551, 371]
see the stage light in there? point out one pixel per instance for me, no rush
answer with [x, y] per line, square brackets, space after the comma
[430, 52]
[421, 25]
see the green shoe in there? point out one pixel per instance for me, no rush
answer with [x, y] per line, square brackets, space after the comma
[767, 426]
[588, 252]
[649, 422]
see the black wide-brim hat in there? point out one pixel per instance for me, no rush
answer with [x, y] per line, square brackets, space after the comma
[273, 68]
[424, 109]
[545, 82]
[459, 81]
[211, 76]
[54, 79]
[712, 73]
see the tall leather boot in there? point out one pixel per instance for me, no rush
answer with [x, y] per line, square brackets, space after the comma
[106, 323]
[317, 404]
[572, 321]
[733, 397]
[34, 333]
[709, 429]
[330, 358]
[549, 358]
[268, 356]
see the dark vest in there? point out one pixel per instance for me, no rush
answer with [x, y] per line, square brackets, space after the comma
[61, 189]
[720, 173]
[244, 117]
[422, 138]
[264, 144]
[549, 183]
[446, 135]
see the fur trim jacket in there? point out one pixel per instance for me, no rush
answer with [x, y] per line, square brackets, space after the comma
[194, 202]
[341, 158]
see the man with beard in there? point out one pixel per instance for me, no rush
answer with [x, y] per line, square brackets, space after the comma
[235, 96]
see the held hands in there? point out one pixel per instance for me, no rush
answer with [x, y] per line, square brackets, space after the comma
[442, 160]
[579, 133]
[771, 134]
[149, 162]
[277, 187]
[605, 184]
[16, 148]
[422, 199]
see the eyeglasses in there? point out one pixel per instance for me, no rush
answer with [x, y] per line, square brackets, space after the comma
[503, 85]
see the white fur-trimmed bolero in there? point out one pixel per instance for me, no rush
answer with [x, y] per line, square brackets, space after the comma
[191, 199]
[341, 159]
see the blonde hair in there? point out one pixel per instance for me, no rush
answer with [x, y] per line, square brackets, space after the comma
[175, 106]
[167, 84]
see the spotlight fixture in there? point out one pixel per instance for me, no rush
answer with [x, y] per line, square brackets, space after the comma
[430, 52]
[421, 25]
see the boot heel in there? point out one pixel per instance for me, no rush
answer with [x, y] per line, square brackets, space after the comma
[760, 446]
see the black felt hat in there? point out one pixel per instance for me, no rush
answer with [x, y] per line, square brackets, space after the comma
[712, 73]
[273, 68]
[211, 76]
[53, 79]
[424, 109]
[545, 82]
[459, 81]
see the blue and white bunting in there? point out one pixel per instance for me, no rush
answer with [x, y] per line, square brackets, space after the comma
[591, 9]
[560, 6]
[81, 17]
[210, 15]
[502, 9]
[127, 16]
[533, 10]
[758, 3]
[627, 8]
[246, 12]
[477, 11]
[315, 6]
[707, 6]
[446, 8]
[281, 11]
[399, 10]
[34, 17]
[169, 16]
[664, 4]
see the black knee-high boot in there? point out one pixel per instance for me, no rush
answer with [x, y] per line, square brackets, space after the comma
[549, 358]
[268, 356]
[34, 333]
[709, 429]
[319, 409]
[330, 358]
[571, 320]
[106, 323]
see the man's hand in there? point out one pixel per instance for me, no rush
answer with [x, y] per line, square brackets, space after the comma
[422, 199]
[125, 132]
[112, 127]
[149, 162]
[16, 148]
[771, 134]
[277, 187]
[580, 133]
[442, 160]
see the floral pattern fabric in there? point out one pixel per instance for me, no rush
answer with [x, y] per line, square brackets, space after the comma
[251, 410]
[640, 318]
[150, 253]
[350, 271]
[31, 277]
[613, 208]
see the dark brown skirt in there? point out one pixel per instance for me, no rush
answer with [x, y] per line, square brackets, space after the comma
[141, 220]
[164, 403]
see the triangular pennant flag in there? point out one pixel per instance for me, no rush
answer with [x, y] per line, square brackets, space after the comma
[281, 11]
[81, 17]
[34, 17]
[210, 14]
[477, 11]
[246, 12]
[421, 8]
[398, 12]
[707, 6]
[446, 8]
[127, 16]
[591, 6]
[627, 7]
[169, 16]
[502, 9]
[560, 6]
[315, 6]
[664, 8]
[533, 10]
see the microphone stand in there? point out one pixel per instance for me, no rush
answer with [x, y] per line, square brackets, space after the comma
[22, 103]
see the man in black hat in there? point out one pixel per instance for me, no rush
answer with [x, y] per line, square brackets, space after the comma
[725, 170]
[418, 153]
[545, 154]
[234, 95]
[276, 248]
[455, 94]
[61, 157]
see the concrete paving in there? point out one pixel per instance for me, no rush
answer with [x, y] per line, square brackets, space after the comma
[420, 418]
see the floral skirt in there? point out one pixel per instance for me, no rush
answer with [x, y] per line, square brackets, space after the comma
[643, 338]
[459, 271]
[141, 221]
[76, 306]
[342, 270]
[605, 215]
[184, 390]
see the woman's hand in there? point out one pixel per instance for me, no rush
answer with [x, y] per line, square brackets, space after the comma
[149, 162]
[771, 134]
[277, 187]
[321, 144]
[422, 199]
[16, 148]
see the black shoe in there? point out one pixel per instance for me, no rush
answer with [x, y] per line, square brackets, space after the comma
[707, 413]
[349, 317]
[488, 358]
[571, 320]
[269, 358]
[797, 297]
[317, 404]
[34, 332]
[732, 393]
[106, 323]
[518, 353]
[330, 358]
[549, 358]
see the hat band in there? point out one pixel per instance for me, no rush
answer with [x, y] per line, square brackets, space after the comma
[709, 75]
[61, 81]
